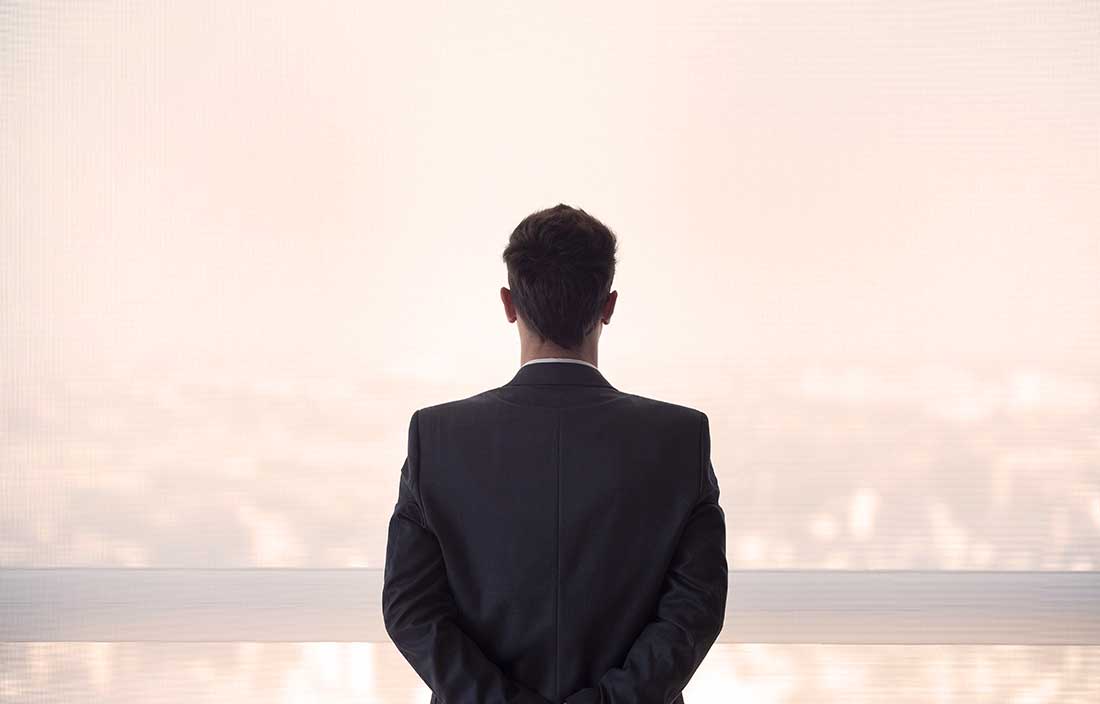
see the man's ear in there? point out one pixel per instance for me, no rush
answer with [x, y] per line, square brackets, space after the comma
[506, 299]
[609, 307]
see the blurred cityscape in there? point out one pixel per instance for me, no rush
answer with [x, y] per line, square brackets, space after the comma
[845, 467]
[375, 673]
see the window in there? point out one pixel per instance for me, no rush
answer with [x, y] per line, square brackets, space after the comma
[238, 249]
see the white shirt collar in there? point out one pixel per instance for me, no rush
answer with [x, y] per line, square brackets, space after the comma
[557, 359]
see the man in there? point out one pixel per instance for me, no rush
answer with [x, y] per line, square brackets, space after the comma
[556, 539]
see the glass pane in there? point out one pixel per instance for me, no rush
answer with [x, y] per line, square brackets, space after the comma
[236, 253]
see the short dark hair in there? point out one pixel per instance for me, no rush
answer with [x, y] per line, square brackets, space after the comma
[561, 262]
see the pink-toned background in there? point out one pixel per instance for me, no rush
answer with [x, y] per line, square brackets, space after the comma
[239, 245]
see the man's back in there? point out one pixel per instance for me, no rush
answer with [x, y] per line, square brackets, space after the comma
[556, 538]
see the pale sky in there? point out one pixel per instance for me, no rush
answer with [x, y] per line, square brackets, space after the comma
[308, 191]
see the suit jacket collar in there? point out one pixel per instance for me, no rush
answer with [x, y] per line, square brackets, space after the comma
[567, 373]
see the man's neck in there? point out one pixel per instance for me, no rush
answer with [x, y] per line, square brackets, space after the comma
[526, 355]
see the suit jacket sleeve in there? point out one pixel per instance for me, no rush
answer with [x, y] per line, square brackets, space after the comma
[419, 610]
[690, 611]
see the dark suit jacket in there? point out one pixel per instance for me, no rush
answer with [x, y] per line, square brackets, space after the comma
[556, 539]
